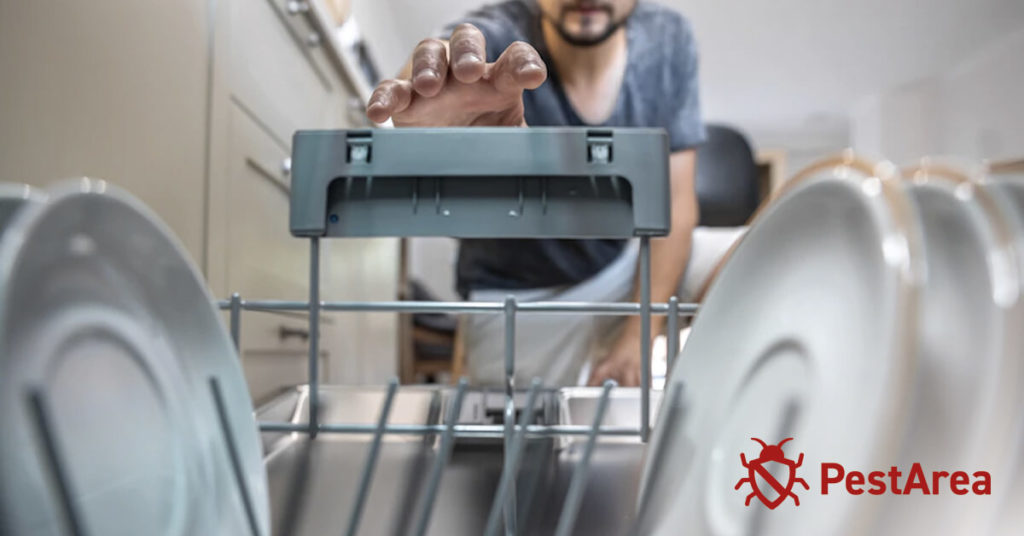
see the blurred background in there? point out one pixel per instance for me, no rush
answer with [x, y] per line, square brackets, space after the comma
[802, 79]
[899, 79]
[191, 105]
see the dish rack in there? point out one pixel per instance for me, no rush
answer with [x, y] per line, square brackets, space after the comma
[476, 183]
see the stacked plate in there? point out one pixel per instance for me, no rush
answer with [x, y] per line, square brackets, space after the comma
[122, 403]
[876, 322]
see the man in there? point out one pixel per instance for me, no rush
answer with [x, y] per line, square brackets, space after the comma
[588, 62]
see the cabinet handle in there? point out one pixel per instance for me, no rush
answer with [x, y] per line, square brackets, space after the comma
[297, 6]
[313, 40]
[286, 166]
[285, 332]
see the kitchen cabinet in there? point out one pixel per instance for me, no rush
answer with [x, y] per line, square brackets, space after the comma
[190, 105]
[261, 256]
[262, 259]
[275, 74]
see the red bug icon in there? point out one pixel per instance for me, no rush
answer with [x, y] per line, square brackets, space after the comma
[771, 454]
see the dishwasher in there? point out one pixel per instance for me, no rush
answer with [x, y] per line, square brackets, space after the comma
[125, 409]
[460, 460]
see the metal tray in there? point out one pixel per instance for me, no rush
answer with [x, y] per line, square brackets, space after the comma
[330, 466]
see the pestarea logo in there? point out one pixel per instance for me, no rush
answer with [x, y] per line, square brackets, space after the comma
[759, 467]
[772, 478]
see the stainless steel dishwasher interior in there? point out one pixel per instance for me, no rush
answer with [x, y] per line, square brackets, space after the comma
[318, 500]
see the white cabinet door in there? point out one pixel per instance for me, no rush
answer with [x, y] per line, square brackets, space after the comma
[264, 261]
[262, 256]
[268, 83]
[278, 68]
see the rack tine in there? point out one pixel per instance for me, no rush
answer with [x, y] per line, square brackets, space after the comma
[521, 186]
[510, 404]
[544, 195]
[673, 334]
[58, 472]
[443, 455]
[511, 465]
[314, 337]
[415, 196]
[510, 501]
[645, 337]
[236, 463]
[574, 497]
[510, 344]
[671, 406]
[437, 196]
[236, 319]
[371, 460]
[298, 486]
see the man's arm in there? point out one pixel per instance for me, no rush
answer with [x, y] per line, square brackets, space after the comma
[669, 257]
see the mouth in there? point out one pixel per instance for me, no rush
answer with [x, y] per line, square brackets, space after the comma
[587, 9]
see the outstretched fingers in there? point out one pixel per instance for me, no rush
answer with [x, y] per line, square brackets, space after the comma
[390, 97]
[429, 67]
[468, 52]
[519, 67]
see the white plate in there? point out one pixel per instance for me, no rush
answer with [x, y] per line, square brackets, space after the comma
[108, 343]
[807, 333]
[1010, 516]
[13, 197]
[968, 383]
[845, 165]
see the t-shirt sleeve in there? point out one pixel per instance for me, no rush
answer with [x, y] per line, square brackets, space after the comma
[686, 127]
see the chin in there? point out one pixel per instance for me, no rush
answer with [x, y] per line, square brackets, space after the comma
[591, 32]
[587, 26]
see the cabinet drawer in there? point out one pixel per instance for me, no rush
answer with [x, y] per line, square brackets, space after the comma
[269, 373]
[274, 352]
[264, 260]
[276, 71]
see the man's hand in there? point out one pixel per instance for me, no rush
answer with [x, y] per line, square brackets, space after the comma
[622, 364]
[669, 257]
[450, 84]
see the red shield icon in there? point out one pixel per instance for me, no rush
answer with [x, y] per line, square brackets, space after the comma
[759, 474]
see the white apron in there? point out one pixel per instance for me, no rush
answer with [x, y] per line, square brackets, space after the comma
[556, 347]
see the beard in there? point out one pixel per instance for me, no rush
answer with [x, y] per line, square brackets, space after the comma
[586, 40]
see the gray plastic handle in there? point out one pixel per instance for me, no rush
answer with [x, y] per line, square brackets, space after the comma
[477, 182]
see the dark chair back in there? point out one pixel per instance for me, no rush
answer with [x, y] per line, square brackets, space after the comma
[727, 178]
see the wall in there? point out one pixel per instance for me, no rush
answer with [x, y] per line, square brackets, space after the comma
[973, 110]
[115, 90]
[805, 145]
[983, 104]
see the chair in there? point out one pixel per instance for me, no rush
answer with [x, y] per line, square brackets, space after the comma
[727, 181]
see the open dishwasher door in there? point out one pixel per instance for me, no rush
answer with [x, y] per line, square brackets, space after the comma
[326, 471]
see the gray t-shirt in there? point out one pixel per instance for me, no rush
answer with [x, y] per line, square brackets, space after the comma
[659, 89]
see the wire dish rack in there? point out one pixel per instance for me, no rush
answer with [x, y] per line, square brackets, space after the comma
[474, 183]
